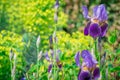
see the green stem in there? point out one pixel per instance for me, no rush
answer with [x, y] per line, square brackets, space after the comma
[11, 69]
[96, 51]
[37, 63]
[55, 49]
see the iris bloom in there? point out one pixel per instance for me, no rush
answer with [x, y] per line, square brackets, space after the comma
[50, 60]
[89, 69]
[97, 25]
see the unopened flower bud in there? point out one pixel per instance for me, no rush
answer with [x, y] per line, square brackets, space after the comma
[38, 41]
[39, 55]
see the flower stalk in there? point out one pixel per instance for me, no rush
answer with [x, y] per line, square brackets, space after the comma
[12, 57]
[37, 60]
[55, 39]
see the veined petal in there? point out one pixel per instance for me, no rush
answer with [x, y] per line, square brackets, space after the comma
[86, 29]
[95, 11]
[77, 59]
[88, 59]
[85, 53]
[85, 12]
[101, 13]
[96, 73]
[104, 29]
[94, 30]
[84, 75]
[90, 62]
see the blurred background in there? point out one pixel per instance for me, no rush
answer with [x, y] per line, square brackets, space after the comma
[22, 21]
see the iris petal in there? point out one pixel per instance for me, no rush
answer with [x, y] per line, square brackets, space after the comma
[77, 59]
[85, 12]
[57, 4]
[104, 29]
[47, 57]
[84, 75]
[86, 30]
[85, 53]
[49, 68]
[88, 62]
[95, 11]
[101, 13]
[94, 30]
[96, 73]
[88, 59]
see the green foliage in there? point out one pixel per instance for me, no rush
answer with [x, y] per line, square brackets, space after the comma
[70, 44]
[113, 37]
[32, 16]
[8, 41]
[21, 21]
[4, 66]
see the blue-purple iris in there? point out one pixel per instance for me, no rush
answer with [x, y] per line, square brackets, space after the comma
[97, 25]
[89, 69]
[50, 60]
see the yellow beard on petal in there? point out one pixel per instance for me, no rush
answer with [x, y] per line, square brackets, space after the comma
[85, 68]
[94, 20]
[102, 23]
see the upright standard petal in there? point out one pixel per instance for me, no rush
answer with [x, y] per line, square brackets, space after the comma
[96, 73]
[86, 29]
[84, 75]
[88, 59]
[101, 13]
[77, 59]
[85, 12]
[104, 29]
[85, 53]
[90, 62]
[94, 30]
[95, 11]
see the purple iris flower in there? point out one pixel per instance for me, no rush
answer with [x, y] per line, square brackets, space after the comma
[50, 59]
[97, 25]
[89, 67]
[57, 4]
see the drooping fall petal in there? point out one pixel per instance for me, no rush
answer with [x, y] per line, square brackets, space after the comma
[94, 30]
[96, 73]
[84, 75]
[104, 29]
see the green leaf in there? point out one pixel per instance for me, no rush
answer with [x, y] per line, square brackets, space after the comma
[115, 69]
[118, 51]
[112, 39]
